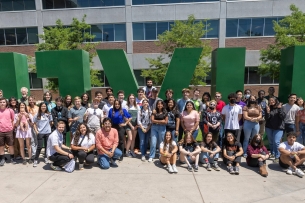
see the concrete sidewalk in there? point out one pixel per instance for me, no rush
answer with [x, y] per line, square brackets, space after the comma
[135, 181]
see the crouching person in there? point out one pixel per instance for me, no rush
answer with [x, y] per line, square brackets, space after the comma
[257, 154]
[57, 152]
[107, 140]
[168, 151]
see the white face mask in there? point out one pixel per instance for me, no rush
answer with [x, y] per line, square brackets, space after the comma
[247, 96]
[301, 108]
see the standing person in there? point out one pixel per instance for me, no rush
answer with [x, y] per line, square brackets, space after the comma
[33, 110]
[173, 122]
[140, 97]
[271, 91]
[206, 97]
[149, 88]
[121, 97]
[99, 95]
[144, 125]
[168, 152]
[169, 93]
[6, 130]
[262, 102]
[42, 125]
[109, 91]
[247, 94]
[120, 119]
[94, 116]
[108, 105]
[107, 140]
[190, 119]
[220, 103]
[76, 115]
[291, 110]
[85, 100]
[300, 123]
[68, 102]
[240, 103]
[159, 119]
[60, 113]
[153, 99]
[252, 115]
[197, 102]
[47, 98]
[275, 126]
[24, 134]
[300, 103]
[24, 95]
[212, 119]
[13, 104]
[181, 106]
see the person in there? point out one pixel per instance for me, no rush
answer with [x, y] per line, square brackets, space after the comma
[140, 97]
[197, 102]
[109, 91]
[144, 126]
[275, 126]
[231, 115]
[252, 114]
[190, 119]
[206, 98]
[159, 119]
[181, 106]
[120, 119]
[247, 94]
[56, 151]
[13, 104]
[300, 124]
[47, 98]
[107, 140]
[22, 134]
[262, 102]
[24, 95]
[168, 152]
[257, 154]
[220, 103]
[292, 155]
[169, 93]
[76, 114]
[121, 96]
[33, 110]
[99, 95]
[271, 91]
[85, 100]
[291, 110]
[212, 119]
[149, 88]
[239, 102]
[108, 105]
[153, 99]
[7, 117]
[232, 152]
[94, 116]
[68, 102]
[82, 145]
[210, 152]
[189, 152]
[173, 121]
[131, 128]
[42, 125]
[60, 113]
[300, 103]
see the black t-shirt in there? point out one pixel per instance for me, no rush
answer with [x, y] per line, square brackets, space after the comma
[210, 147]
[235, 147]
[190, 146]
[172, 116]
[213, 118]
[160, 116]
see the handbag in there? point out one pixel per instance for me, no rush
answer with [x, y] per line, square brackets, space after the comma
[70, 166]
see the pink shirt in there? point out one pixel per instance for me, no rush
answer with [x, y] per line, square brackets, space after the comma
[301, 115]
[107, 140]
[189, 120]
[6, 120]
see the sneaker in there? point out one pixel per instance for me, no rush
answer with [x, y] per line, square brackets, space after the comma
[236, 170]
[128, 154]
[150, 160]
[170, 169]
[132, 154]
[215, 167]
[245, 156]
[24, 162]
[18, 157]
[13, 161]
[113, 164]
[231, 170]
[81, 166]
[46, 160]
[2, 162]
[208, 167]
[35, 163]
[55, 168]
[289, 171]
[299, 173]
[121, 158]
[175, 168]
[190, 168]
[195, 168]
[271, 156]
[276, 161]
[143, 158]
[30, 161]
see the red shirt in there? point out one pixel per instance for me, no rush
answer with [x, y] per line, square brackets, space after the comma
[6, 120]
[220, 105]
[254, 150]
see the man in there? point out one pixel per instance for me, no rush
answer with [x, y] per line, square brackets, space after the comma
[220, 103]
[76, 114]
[181, 105]
[291, 110]
[94, 116]
[99, 95]
[271, 91]
[240, 103]
[153, 99]
[197, 102]
[60, 113]
[109, 91]
[109, 105]
[262, 102]
[7, 116]
[140, 97]
[148, 89]
[169, 93]
[107, 140]
[292, 155]
[57, 152]
[121, 97]
[24, 92]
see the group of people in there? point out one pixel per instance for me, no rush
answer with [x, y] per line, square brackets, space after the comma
[111, 128]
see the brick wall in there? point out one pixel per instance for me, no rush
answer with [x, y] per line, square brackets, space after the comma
[26, 49]
[250, 43]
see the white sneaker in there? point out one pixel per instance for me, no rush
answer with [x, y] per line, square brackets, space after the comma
[175, 168]
[46, 160]
[143, 158]
[170, 169]
[299, 173]
[289, 171]
[150, 160]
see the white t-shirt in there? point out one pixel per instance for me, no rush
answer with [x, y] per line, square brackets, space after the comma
[55, 138]
[291, 148]
[106, 109]
[124, 104]
[86, 142]
[94, 119]
[231, 113]
[291, 112]
[167, 145]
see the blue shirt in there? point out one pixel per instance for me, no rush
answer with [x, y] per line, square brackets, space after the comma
[50, 106]
[43, 124]
[117, 118]
[74, 112]
[181, 104]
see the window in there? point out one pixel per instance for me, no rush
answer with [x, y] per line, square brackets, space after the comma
[21, 36]
[17, 5]
[109, 32]
[231, 28]
[138, 31]
[143, 2]
[57, 4]
[139, 78]
[2, 38]
[162, 27]
[244, 27]
[10, 37]
[269, 26]
[150, 31]
[213, 26]
[15, 36]
[97, 30]
[253, 77]
[257, 27]
[120, 32]
[32, 35]
[35, 83]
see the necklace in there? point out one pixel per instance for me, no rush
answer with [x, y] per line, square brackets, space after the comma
[232, 112]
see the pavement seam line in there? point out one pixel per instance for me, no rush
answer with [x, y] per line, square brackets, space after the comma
[38, 187]
[198, 186]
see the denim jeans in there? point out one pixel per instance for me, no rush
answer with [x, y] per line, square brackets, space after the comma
[156, 137]
[274, 139]
[195, 134]
[221, 131]
[103, 159]
[206, 155]
[143, 140]
[289, 127]
[33, 142]
[250, 129]
[301, 137]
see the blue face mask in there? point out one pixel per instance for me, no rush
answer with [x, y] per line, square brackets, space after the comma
[247, 96]
[301, 108]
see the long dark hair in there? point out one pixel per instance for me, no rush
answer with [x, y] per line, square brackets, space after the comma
[276, 102]
[248, 101]
[188, 102]
[44, 96]
[206, 94]
[171, 147]
[174, 107]
[163, 110]
[65, 101]
[87, 96]
[226, 139]
[114, 109]
[210, 144]
[260, 145]
[25, 108]
[40, 112]
[77, 133]
[9, 103]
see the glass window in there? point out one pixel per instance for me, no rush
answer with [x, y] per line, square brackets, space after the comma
[108, 32]
[174, 1]
[149, 1]
[107, 2]
[214, 25]
[2, 39]
[97, 30]
[21, 36]
[34, 81]
[18, 5]
[257, 27]
[150, 31]
[186, 1]
[138, 31]
[29, 5]
[10, 36]
[137, 2]
[7, 5]
[254, 76]
[161, 27]
[95, 3]
[231, 28]
[71, 3]
[268, 31]
[32, 35]
[120, 32]
[59, 4]
[118, 2]
[47, 4]
[139, 78]
[244, 27]
[82, 3]
[266, 79]
[246, 76]
[160, 1]
[170, 24]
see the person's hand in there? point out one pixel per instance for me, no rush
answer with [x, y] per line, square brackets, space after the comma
[122, 124]
[212, 154]
[87, 113]
[20, 115]
[169, 155]
[132, 127]
[231, 158]
[190, 154]
[176, 132]
[144, 130]
[279, 106]
[297, 159]
[110, 154]
[75, 119]
[267, 109]
[71, 156]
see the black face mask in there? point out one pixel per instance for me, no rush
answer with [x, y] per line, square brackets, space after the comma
[232, 101]
[257, 141]
[252, 102]
[212, 108]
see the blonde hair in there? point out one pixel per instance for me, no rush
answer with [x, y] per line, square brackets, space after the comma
[77, 98]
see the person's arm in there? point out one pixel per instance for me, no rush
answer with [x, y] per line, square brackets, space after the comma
[182, 123]
[286, 152]
[197, 119]
[183, 151]
[260, 114]
[241, 151]
[62, 152]
[301, 152]
[297, 123]
[177, 125]
[245, 114]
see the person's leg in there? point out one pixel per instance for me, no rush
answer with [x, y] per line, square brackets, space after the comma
[173, 159]
[33, 142]
[247, 132]
[133, 140]
[117, 154]
[21, 149]
[121, 132]
[16, 146]
[253, 162]
[28, 145]
[129, 140]
[277, 136]
[221, 134]
[81, 155]
[262, 127]
[215, 136]
[239, 133]
[9, 141]
[103, 161]
[180, 133]
[269, 133]
[90, 158]
[39, 146]
[59, 159]
[164, 160]
[142, 140]
[255, 130]
[203, 157]
[153, 141]
[195, 134]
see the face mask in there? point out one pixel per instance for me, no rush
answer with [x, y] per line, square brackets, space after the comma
[247, 96]
[301, 108]
[257, 141]
[232, 101]
[252, 102]
[212, 108]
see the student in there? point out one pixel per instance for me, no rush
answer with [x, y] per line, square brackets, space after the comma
[271, 91]
[173, 121]
[140, 97]
[82, 145]
[47, 98]
[232, 152]
[76, 115]
[42, 125]
[99, 95]
[121, 97]
[189, 152]
[94, 116]
[300, 103]
[292, 155]
[239, 102]
[153, 99]
[252, 114]
[247, 94]
[197, 102]
[300, 124]
[144, 125]
[68, 102]
[149, 88]
[220, 103]
[206, 98]
[109, 91]
[291, 110]
[210, 152]
[108, 105]
[60, 113]
[33, 110]
[169, 93]
[212, 119]
[1, 93]
[24, 95]
[181, 106]
[85, 100]
[190, 119]
[13, 104]
[262, 102]
[257, 154]
[168, 152]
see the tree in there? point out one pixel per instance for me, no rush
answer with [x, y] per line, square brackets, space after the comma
[72, 37]
[289, 31]
[183, 34]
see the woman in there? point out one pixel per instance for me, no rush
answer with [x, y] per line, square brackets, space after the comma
[131, 128]
[257, 154]
[120, 118]
[247, 94]
[300, 103]
[210, 152]
[159, 120]
[232, 152]
[190, 119]
[33, 110]
[60, 113]
[189, 152]
[13, 104]
[85, 100]
[168, 151]
[206, 97]
[252, 114]
[82, 145]
[68, 102]
[300, 124]
[22, 135]
[42, 126]
[275, 126]
[47, 98]
[173, 122]
[212, 119]
[144, 124]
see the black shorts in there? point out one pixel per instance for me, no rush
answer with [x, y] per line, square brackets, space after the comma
[285, 165]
